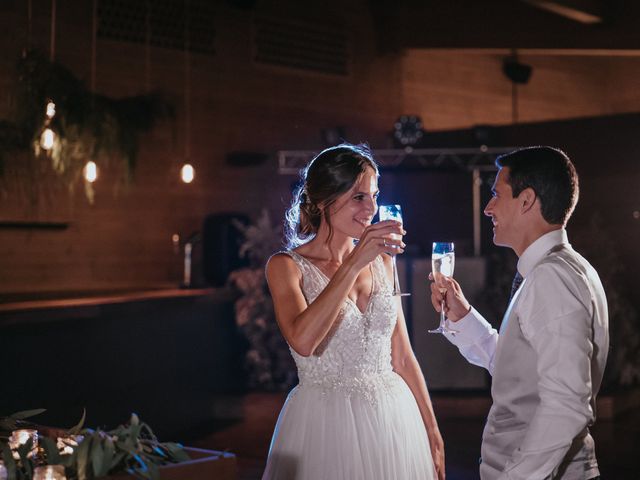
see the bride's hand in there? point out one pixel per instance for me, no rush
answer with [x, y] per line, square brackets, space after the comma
[437, 453]
[376, 239]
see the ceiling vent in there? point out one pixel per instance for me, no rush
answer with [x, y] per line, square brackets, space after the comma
[161, 21]
[316, 46]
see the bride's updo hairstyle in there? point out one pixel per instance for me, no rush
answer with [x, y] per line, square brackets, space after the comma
[331, 173]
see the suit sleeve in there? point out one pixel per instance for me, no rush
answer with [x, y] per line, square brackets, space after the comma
[557, 325]
[476, 339]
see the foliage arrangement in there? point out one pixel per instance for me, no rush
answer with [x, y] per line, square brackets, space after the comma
[131, 449]
[268, 363]
[86, 125]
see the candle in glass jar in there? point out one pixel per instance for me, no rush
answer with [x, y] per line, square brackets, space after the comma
[49, 472]
[20, 437]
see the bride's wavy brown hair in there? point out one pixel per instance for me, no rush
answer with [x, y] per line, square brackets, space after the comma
[331, 173]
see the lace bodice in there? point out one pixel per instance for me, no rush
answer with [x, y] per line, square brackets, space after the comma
[356, 354]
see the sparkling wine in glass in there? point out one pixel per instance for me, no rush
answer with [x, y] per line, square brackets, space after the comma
[442, 262]
[393, 212]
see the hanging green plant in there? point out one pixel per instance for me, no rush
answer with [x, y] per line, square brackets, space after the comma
[82, 125]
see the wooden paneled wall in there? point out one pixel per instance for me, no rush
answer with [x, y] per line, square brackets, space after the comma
[450, 89]
[124, 239]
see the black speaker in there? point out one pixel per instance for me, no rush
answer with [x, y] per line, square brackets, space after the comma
[221, 240]
[515, 71]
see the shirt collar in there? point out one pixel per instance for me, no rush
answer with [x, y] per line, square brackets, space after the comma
[534, 252]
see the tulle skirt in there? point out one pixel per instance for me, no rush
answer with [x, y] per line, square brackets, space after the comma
[345, 434]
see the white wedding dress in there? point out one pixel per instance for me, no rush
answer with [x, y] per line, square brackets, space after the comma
[351, 417]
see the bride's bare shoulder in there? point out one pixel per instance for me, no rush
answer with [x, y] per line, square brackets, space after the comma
[281, 263]
[282, 273]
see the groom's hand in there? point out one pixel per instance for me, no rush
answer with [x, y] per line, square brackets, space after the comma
[448, 290]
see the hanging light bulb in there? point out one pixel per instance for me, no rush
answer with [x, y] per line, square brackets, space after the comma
[47, 139]
[51, 109]
[187, 173]
[90, 172]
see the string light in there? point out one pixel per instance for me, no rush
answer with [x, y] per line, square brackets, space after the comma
[48, 136]
[47, 139]
[51, 109]
[90, 172]
[187, 173]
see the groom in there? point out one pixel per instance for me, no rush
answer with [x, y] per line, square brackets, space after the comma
[548, 359]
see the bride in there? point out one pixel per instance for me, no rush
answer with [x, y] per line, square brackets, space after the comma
[361, 409]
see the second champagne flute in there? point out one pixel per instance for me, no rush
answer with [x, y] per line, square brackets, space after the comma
[393, 212]
[442, 263]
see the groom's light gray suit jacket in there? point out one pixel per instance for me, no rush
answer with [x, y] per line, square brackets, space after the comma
[547, 364]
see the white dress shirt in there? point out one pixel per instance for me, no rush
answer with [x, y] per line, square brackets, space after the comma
[562, 327]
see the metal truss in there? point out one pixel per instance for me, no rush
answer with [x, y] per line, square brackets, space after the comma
[290, 162]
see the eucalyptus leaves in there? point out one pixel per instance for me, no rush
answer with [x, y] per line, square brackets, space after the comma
[131, 448]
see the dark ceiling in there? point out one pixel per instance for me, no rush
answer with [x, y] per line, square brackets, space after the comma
[491, 24]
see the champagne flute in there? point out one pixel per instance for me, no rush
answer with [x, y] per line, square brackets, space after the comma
[442, 263]
[393, 212]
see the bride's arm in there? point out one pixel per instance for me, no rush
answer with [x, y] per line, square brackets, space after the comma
[406, 365]
[305, 326]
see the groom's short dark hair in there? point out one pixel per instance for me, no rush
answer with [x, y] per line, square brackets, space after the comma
[551, 175]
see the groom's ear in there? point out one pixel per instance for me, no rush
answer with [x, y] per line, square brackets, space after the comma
[527, 199]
